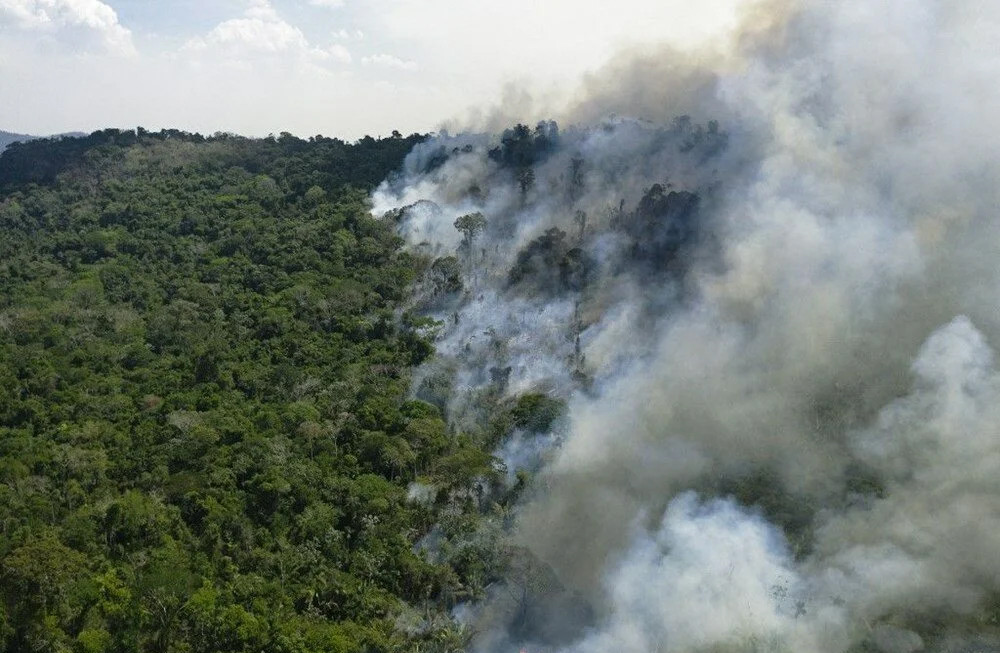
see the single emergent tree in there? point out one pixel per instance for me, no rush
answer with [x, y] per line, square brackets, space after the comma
[470, 224]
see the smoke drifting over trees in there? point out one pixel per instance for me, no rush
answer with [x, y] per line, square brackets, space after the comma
[773, 335]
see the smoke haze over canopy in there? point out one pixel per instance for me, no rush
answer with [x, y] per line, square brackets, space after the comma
[787, 437]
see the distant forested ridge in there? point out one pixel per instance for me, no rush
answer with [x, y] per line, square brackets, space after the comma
[6, 138]
[206, 441]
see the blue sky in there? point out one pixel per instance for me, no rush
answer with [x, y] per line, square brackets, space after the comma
[336, 67]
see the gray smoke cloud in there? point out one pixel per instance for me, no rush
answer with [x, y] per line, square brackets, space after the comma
[774, 334]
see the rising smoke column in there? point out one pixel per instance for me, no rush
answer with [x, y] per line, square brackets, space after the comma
[782, 429]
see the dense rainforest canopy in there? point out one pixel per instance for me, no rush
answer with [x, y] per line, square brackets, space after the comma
[206, 441]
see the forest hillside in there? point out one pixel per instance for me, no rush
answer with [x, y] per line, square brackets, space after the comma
[205, 437]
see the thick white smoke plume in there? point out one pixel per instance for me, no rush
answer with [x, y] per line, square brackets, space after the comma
[772, 323]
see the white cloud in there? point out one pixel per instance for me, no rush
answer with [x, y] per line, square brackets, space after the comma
[336, 52]
[347, 35]
[262, 31]
[259, 30]
[83, 24]
[389, 61]
[327, 3]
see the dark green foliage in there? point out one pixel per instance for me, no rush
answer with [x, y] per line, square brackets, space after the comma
[536, 412]
[521, 147]
[446, 275]
[205, 443]
[664, 223]
[533, 412]
[549, 264]
[664, 227]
